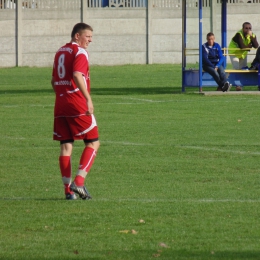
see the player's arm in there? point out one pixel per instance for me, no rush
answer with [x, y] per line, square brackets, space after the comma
[78, 79]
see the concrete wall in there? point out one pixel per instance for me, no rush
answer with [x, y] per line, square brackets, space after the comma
[7, 38]
[148, 33]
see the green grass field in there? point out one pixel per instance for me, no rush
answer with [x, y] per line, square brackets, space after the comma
[176, 176]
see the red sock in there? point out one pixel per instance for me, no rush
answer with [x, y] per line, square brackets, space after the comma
[79, 180]
[86, 161]
[65, 169]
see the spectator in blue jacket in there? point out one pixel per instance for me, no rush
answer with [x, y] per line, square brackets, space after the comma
[212, 59]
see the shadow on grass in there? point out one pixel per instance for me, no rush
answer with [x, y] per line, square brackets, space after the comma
[132, 91]
[160, 253]
[25, 91]
[28, 198]
[103, 91]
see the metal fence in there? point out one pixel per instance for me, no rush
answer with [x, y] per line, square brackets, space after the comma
[76, 4]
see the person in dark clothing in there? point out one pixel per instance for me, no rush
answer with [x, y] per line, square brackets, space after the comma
[256, 62]
[212, 60]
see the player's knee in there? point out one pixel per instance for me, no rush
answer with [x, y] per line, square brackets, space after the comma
[94, 144]
[66, 149]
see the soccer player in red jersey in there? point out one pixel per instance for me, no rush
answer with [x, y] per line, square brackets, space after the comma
[73, 111]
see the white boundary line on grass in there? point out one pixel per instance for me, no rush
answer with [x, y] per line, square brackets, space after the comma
[147, 100]
[187, 147]
[182, 200]
[217, 149]
[26, 105]
[144, 101]
[13, 138]
[127, 143]
[133, 144]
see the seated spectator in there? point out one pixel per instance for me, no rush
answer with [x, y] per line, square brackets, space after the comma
[244, 38]
[212, 60]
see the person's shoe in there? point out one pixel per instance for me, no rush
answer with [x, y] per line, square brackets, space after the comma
[80, 190]
[225, 87]
[259, 88]
[245, 68]
[70, 196]
[254, 67]
[88, 197]
[238, 88]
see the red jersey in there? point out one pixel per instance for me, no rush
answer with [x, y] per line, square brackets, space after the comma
[69, 99]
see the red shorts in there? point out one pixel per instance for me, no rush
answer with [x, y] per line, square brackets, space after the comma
[75, 128]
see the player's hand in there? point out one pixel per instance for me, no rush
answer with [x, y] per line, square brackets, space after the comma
[250, 33]
[216, 68]
[90, 107]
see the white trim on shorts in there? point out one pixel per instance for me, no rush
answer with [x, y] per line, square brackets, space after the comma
[93, 124]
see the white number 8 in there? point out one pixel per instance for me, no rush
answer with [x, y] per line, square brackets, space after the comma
[61, 68]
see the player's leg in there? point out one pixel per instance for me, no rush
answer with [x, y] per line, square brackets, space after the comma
[66, 148]
[89, 133]
[62, 134]
[86, 161]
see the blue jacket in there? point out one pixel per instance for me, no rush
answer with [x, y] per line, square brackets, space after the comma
[212, 57]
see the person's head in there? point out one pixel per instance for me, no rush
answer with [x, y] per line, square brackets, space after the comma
[210, 38]
[246, 27]
[82, 34]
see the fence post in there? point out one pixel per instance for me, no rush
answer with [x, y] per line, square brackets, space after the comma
[18, 34]
[149, 53]
[83, 10]
[212, 16]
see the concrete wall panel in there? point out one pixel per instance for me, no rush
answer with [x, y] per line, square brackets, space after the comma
[167, 43]
[36, 28]
[7, 45]
[39, 59]
[167, 57]
[167, 26]
[118, 26]
[115, 43]
[117, 58]
[7, 28]
[7, 60]
[111, 13]
[121, 35]
[34, 14]
[43, 44]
